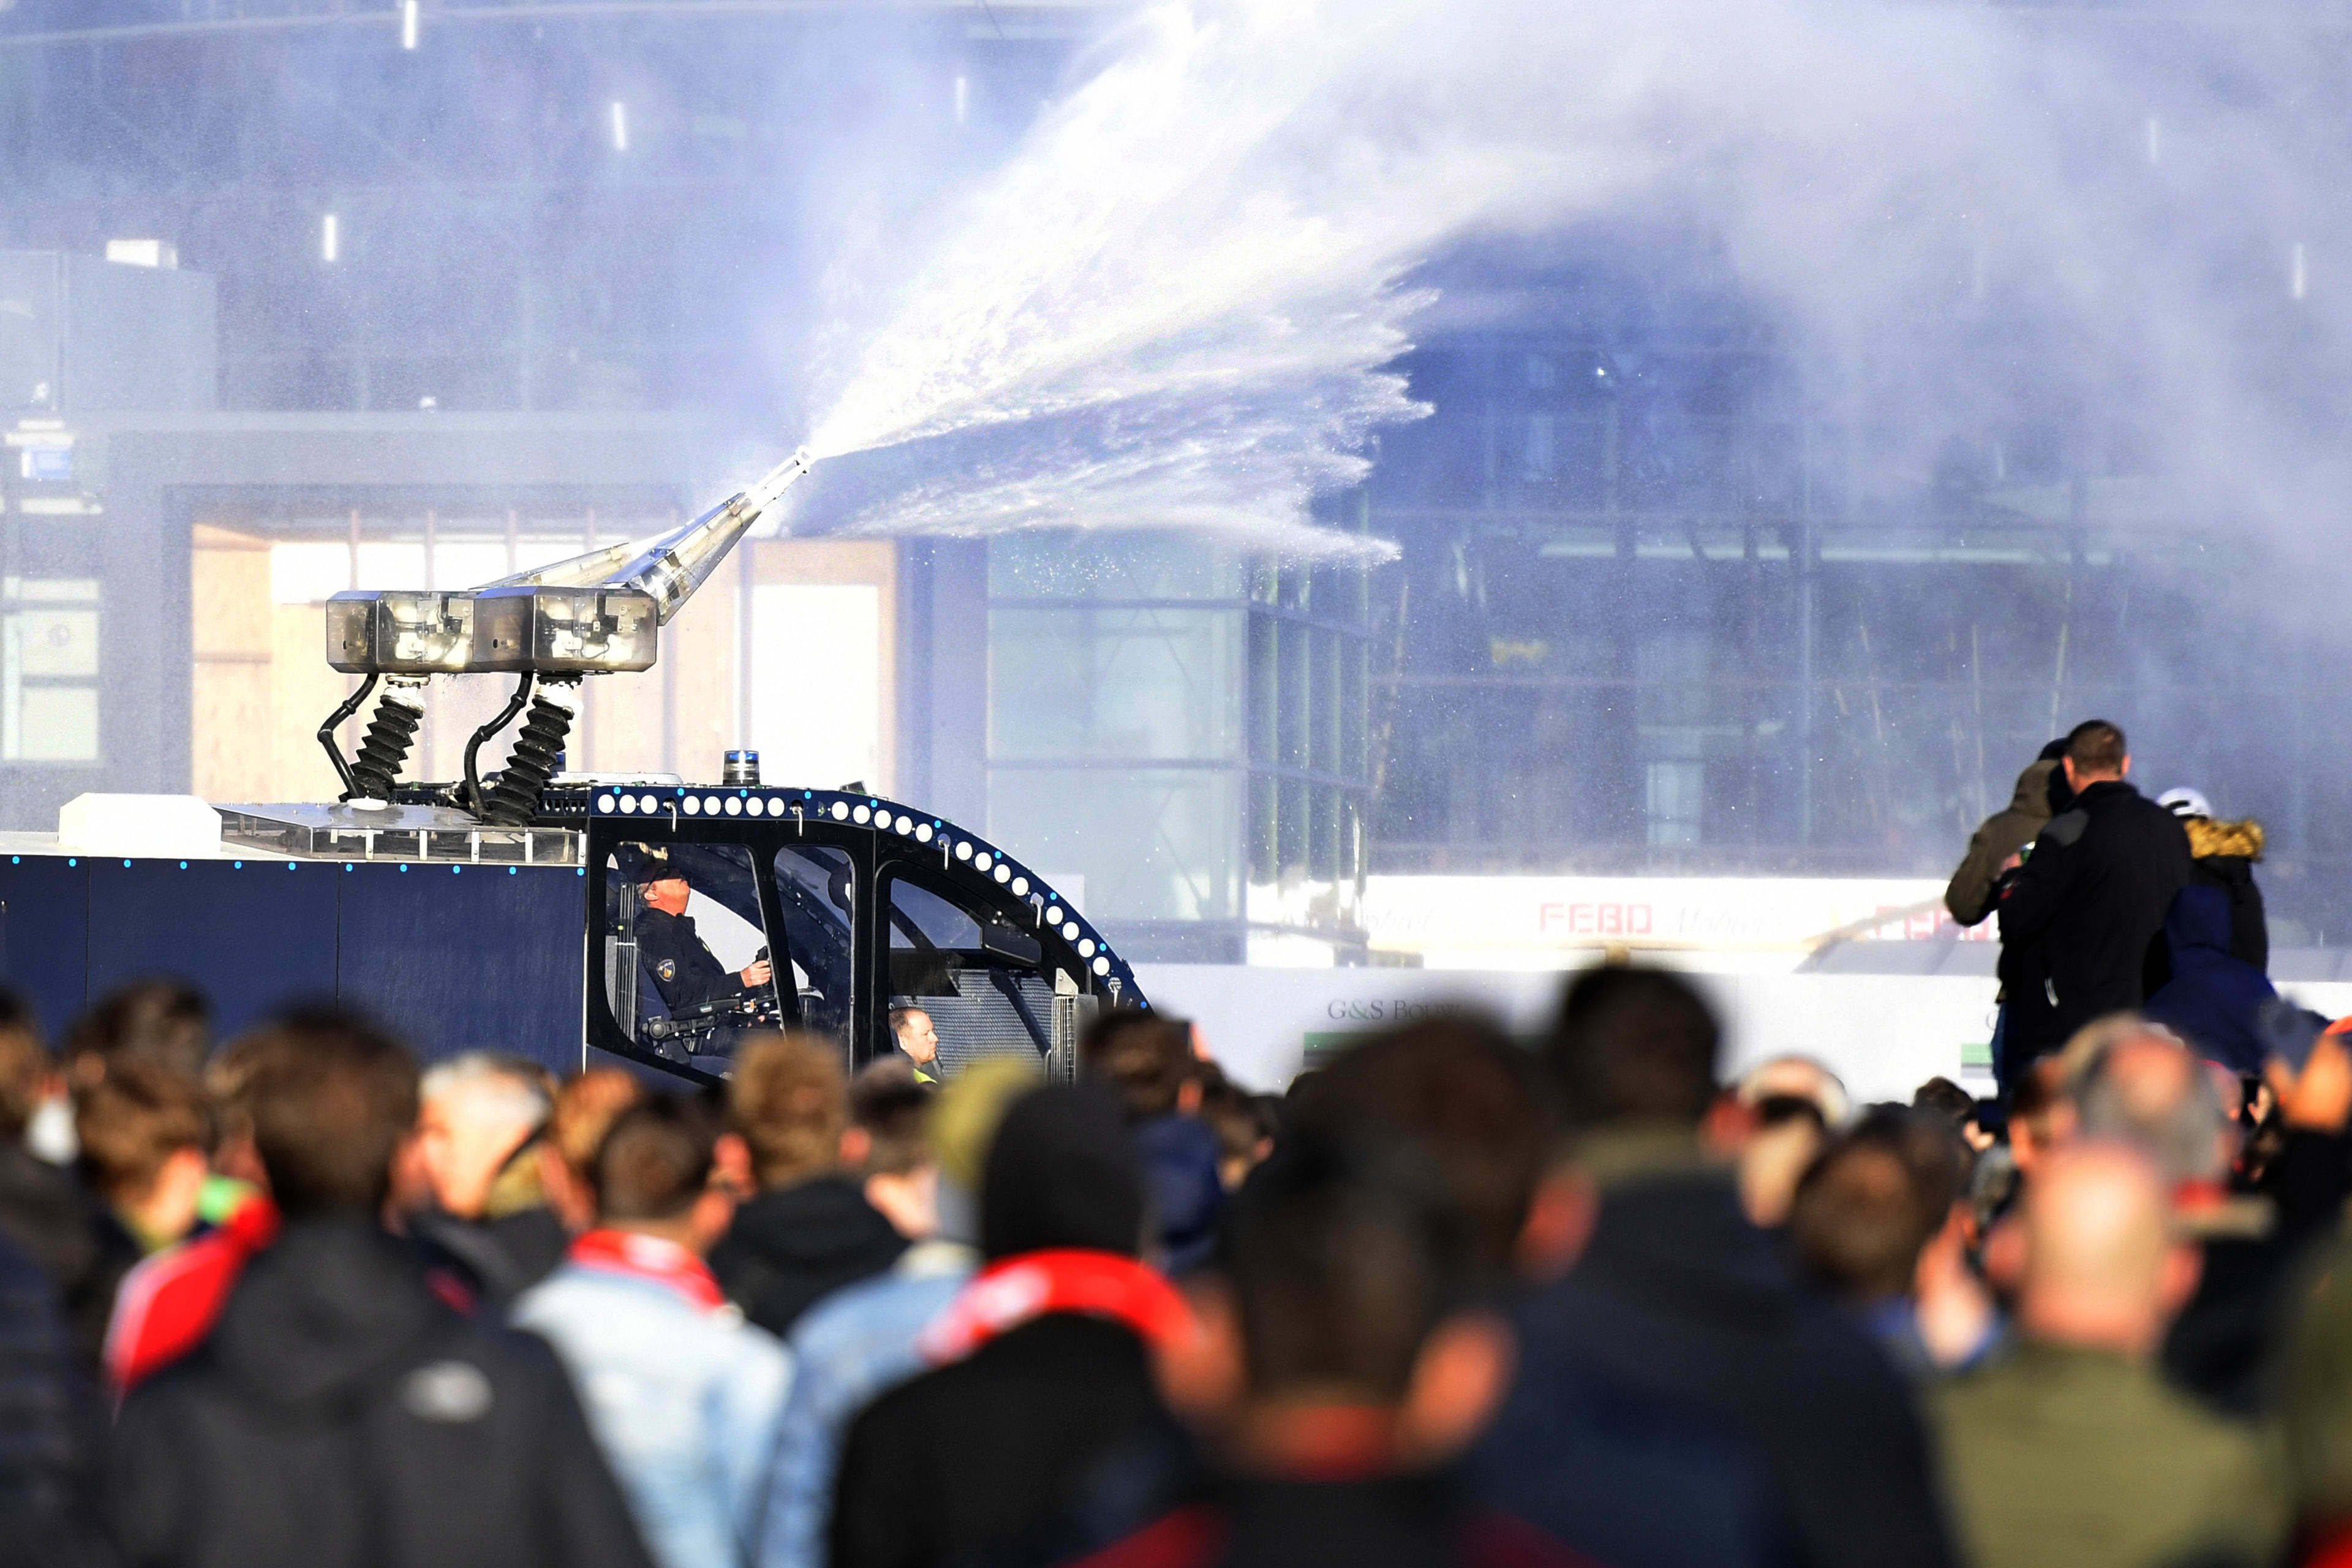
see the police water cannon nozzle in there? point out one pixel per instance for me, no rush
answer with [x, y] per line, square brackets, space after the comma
[588, 614]
[597, 613]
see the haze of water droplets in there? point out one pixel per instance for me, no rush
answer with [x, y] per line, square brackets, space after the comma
[1179, 303]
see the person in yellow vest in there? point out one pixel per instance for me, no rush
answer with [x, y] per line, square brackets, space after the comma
[911, 1027]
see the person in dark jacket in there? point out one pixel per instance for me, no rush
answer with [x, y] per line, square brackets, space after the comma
[1975, 885]
[811, 1230]
[45, 1208]
[1041, 1366]
[2214, 1000]
[1600, 1467]
[1676, 1298]
[1996, 849]
[1145, 1060]
[685, 971]
[52, 1432]
[1356, 1375]
[2222, 856]
[2079, 918]
[340, 1412]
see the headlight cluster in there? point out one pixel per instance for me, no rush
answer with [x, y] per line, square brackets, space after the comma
[549, 630]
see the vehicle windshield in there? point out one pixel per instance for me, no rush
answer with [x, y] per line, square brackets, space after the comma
[817, 893]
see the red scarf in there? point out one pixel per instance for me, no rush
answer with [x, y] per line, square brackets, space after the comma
[1021, 1288]
[650, 1258]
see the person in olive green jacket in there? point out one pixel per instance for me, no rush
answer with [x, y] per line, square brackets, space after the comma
[1975, 886]
[2072, 1452]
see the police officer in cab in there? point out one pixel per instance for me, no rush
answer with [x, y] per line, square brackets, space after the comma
[684, 969]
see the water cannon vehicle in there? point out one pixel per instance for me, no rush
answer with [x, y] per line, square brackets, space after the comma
[665, 919]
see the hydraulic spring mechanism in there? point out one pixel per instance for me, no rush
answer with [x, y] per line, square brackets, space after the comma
[384, 749]
[538, 747]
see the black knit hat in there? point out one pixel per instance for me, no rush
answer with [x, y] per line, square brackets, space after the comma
[1061, 1171]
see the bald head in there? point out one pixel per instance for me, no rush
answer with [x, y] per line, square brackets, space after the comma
[2101, 1267]
[1796, 1077]
[2146, 1090]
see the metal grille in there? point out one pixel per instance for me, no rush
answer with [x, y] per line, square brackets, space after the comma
[980, 1022]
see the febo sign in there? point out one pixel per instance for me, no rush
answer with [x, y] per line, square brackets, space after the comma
[1589, 918]
[1500, 917]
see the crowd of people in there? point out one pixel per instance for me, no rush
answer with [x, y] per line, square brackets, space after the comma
[1448, 1300]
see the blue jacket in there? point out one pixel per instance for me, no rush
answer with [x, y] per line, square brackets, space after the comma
[2213, 1000]
[1188, 1201]
[853, 1345]
[683, 1400]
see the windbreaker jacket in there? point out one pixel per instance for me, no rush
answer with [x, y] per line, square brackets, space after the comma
[342, 1416]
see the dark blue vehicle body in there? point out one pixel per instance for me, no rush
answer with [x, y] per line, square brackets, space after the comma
[457, 956]
[451, 957]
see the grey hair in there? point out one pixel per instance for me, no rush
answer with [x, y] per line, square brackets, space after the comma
[498, 1086]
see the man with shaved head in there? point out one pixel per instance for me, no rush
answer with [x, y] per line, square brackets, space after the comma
[2080, 917]
[2148, 1089]
[2072, 1450]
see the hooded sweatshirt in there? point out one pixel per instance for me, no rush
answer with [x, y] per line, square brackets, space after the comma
[340, 1414]
[790, 1246]
[1969, 896]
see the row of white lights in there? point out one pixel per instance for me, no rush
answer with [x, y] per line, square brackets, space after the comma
[842, 811]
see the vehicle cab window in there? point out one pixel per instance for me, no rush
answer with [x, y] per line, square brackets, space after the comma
[977, 979]
[688, 969]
